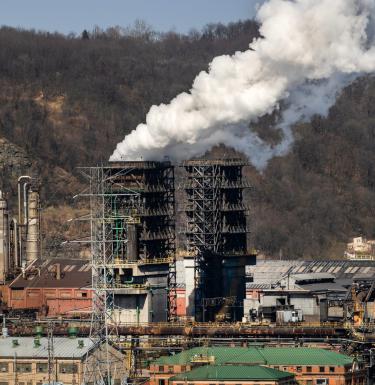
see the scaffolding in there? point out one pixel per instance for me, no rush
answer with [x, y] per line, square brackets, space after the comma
[216, 228]
[132, 230]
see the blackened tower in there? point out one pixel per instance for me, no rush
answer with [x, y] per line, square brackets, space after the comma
[217, 234]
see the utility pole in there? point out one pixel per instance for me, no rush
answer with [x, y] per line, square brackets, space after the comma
[50, 350]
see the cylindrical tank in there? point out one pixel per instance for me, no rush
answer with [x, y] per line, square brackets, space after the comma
[132, 244]
[4, 238]
[33, 226]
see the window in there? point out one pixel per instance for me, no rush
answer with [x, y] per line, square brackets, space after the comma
[68, 368]
[321, 369]
[276, 367]
[322, 381]
[309, 382]
[161, 369]
[4, 367]
[299, 368]
[332, 369]
[161, 382]
[183, 368]
[23, 368]
[41, 368]
[285, 369]
[308, 369]
[170, 369]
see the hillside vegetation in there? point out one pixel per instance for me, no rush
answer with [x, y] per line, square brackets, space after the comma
[65, 101]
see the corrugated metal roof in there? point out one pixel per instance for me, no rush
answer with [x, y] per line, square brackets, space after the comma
[227, 373]
[75, 273]
[26, 348]
[261, 356]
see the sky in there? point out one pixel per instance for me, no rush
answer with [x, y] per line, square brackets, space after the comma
[67, 16]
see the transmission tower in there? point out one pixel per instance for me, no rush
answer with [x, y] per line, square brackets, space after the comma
[105, 217]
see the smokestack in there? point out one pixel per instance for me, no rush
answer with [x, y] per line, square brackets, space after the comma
[4, 238]
[33, 227]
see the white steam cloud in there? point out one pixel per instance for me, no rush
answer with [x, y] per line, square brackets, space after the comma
[309, 51]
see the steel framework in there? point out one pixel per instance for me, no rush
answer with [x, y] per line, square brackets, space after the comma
[110, 210]
[132, 224]
[216, 225]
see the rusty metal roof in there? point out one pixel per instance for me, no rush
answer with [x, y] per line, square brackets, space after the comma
[74, 273]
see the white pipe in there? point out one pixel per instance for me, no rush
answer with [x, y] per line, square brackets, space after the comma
[17, 262]
[20, 179]
[25, 204]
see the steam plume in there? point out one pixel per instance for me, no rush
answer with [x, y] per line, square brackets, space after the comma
[309, 51]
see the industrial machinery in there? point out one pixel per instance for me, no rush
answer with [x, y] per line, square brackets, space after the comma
[20, 237]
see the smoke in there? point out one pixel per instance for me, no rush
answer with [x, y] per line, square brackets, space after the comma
[309, 51]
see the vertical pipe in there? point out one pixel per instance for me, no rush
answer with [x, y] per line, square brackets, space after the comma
[25, 204]
[4, 238]
[17, 262]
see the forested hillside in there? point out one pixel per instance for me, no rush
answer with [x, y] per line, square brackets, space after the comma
[65, 101]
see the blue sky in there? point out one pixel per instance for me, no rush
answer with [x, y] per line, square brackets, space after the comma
[76, 15]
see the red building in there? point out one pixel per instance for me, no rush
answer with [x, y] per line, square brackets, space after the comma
[53, 288]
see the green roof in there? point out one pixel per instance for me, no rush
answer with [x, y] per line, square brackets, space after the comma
[261, 356]
[230, 372]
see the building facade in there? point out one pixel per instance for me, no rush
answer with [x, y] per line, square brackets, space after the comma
[310, 366]
[35, 361]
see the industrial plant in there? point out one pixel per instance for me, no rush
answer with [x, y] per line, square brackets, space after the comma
[148, 291]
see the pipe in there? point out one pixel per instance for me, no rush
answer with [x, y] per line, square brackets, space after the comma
[25, 204]
[17, 262]
[4, 238]
[20, 179]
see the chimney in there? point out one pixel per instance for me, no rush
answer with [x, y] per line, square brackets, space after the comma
[58, 271]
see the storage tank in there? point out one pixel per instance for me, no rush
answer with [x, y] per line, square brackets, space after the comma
[33, 227]
[4, 238]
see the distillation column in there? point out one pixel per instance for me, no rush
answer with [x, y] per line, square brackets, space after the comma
[33, 227]
[4, 238]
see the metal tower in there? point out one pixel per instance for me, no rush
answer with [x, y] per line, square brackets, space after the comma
[109, 213]
[217, 235]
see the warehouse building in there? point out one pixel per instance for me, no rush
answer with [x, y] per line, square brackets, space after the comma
[311, 366]
[53, 288]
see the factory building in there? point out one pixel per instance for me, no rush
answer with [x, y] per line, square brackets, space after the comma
[310, 291]
[51, 288]
[217, 237]
[310, 366]
[37, 360]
